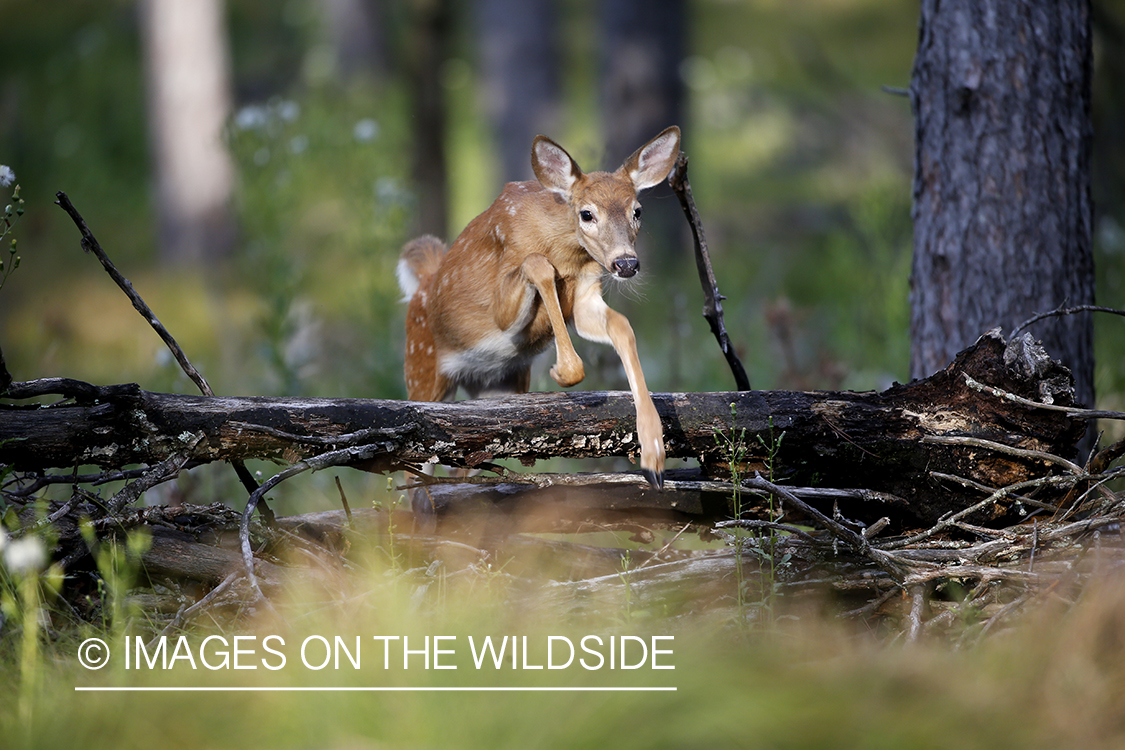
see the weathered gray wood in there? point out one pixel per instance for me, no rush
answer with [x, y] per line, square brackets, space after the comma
[178, 558]
[876, 441]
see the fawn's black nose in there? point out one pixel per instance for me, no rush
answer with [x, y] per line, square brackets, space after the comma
[626, 266]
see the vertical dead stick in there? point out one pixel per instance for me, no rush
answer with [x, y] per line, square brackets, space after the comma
[90, 244]
[917, 610]
[712, 299]
[5, 376]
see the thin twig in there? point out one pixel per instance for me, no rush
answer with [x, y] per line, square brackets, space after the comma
[917, 608]
[712, 299]
[656, 555]
[872, 605]
[90, 244]
[747, 523]
[341, 457]
[45, 480]
[989, 490]
[1065, 311]
[1002, 448]
[344, 500]
[1074, 412]
[1077, 471]
[893, 566]
[1006, 610]
[167, 469]
[186, 612]
[948, 521]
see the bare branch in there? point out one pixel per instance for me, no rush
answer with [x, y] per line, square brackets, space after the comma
[712, 299]
[1065, 311]
[1075, 412]
[90, 244]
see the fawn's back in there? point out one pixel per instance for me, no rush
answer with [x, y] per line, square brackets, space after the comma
[523, 270]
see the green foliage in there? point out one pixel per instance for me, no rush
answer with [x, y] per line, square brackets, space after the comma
[732, 444]
[810, 683]
[119, 568]
[761, 544]
[323, 202]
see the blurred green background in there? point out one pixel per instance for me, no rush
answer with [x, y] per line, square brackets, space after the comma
[801, 168]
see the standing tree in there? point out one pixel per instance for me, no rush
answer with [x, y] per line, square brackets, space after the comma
[642, 93]
[520, 75]
[427, 50]
[353, 31]
[189, 101]
[1002, 209]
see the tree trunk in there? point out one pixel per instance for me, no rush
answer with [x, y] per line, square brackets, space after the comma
[189, 102]
[431, 26]
[353, 29]
[520, 77]
[1002, 210]
[642, 93]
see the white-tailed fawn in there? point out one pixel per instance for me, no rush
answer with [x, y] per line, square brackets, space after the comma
[533, 262]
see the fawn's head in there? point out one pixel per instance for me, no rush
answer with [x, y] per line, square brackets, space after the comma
[607, 214]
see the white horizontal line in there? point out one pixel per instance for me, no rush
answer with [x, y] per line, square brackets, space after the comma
[504, 689]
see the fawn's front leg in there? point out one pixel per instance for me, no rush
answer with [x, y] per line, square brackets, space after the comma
[517, 299]
[596, 321]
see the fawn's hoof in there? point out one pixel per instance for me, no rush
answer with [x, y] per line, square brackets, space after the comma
[655, 478]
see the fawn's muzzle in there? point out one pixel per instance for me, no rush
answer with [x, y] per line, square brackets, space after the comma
[626, 266]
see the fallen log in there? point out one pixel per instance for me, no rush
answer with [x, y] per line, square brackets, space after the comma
[928, 447]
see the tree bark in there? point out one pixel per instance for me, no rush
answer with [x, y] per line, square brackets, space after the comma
[431, 28]
[904, 444]
[1002, 209]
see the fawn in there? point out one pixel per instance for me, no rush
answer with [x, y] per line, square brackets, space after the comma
[518, 273]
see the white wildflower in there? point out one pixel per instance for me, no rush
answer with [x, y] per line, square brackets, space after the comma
[251, 117]
[26, 555]
[365, 130]
[7, 176]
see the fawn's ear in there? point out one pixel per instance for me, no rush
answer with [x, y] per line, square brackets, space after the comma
[553, 166]
[653, 161]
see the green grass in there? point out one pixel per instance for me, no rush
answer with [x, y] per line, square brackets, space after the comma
[804, 682]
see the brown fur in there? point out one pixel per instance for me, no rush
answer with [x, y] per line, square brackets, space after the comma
[524, 269]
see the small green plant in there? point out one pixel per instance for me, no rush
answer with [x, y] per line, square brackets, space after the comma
[764, 544]
[9, 261]
[769, 574]
[27, 582]
[394, 557]
[733, 447]
[118, 567]
[625, 574]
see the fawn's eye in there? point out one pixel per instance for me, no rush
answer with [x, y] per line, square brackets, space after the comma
[586, 215]
[637, 213]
